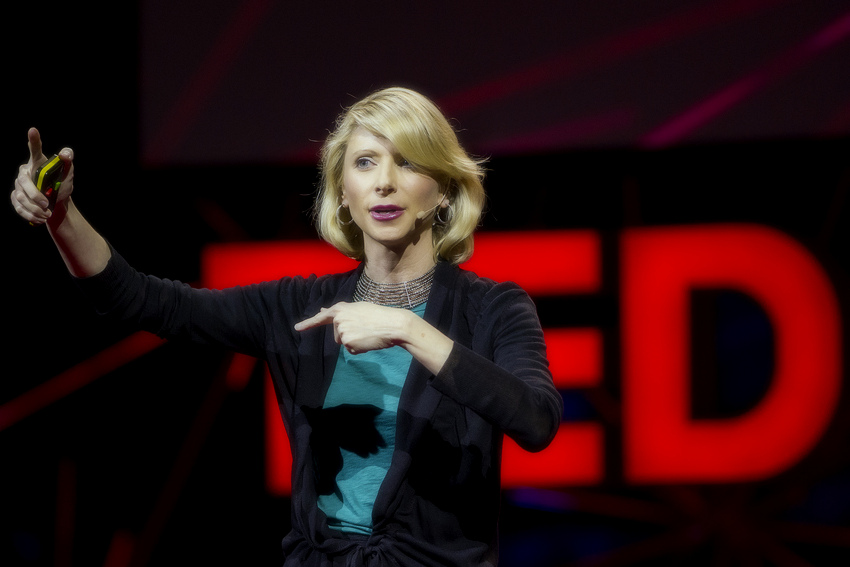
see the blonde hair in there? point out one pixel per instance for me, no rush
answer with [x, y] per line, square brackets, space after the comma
[420, 132]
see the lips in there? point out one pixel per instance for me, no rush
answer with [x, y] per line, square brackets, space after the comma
[386, 212]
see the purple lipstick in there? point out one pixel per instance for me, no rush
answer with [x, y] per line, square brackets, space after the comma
[386, 212]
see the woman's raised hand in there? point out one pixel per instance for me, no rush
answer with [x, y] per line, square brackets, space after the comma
[26, 199]
[83, 250]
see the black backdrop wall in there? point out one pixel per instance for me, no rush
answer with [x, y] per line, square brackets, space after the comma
[198, 123]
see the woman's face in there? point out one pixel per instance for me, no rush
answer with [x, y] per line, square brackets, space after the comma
[390, 202]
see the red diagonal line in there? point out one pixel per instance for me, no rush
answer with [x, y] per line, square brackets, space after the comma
[239, 371]
[120, 550]
[727, 98]
[202, 84]
[775, 552]
[814, 534]
[839, 123]
[182, 467]
[602, 52]
[657, 547]
[562, 134]
[600, 504]
[76, 377]
[66, 503]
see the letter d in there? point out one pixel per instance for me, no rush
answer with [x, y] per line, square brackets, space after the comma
[659, 267]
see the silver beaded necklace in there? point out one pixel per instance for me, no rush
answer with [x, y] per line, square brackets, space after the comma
[407, 294]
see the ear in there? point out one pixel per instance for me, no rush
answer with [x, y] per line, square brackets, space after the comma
[343, 201]
[446, 191]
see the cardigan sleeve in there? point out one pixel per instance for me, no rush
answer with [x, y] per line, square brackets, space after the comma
[238, 318]
[505, 375]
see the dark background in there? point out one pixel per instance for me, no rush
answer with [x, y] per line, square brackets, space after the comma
[198, 122]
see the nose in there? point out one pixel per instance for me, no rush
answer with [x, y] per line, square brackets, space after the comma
[386, 180]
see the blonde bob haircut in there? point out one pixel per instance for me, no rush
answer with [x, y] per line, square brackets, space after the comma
[423, 136]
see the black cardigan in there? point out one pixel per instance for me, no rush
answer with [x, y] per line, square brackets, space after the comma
[439, 502]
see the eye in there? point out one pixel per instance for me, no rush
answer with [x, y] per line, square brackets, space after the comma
[363, 163]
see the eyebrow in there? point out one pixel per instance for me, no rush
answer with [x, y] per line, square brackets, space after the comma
[357, 153]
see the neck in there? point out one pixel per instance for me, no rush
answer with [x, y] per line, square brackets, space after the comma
[387, 266]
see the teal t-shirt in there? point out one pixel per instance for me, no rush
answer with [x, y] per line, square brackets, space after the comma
[370, 380]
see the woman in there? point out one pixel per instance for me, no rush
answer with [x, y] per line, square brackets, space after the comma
[397, 380]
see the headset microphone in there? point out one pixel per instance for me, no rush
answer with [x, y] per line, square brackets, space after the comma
[422, 214]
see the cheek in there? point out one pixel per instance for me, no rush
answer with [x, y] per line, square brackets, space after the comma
[350, 189]
[429, 190]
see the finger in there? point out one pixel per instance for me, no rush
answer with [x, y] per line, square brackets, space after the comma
[323, 317]
[28, 209]
[26, 192]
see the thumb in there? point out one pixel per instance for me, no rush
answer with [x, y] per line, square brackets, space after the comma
[67, 156]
